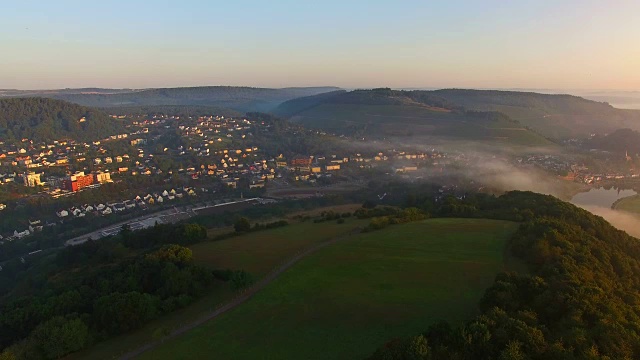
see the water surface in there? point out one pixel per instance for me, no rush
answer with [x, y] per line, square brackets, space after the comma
[600, 197]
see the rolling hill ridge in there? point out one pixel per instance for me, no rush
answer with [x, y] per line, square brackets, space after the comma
[242, 99]
[382, 113]
[553, 116]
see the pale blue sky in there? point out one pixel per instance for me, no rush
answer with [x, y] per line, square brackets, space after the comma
[349, 43]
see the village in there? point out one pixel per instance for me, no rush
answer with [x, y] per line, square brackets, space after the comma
[171, 160]
[183, 158]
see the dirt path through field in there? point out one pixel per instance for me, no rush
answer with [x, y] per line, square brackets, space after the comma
[246, 295]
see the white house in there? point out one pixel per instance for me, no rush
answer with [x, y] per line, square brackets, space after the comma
[20, 235]
[2, 207]
[62, 213]
[107, 211]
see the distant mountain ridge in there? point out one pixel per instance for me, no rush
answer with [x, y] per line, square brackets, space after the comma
[244, 99]
[41, 119]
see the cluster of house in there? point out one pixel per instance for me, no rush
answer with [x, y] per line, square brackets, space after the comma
[34, 226]
[310, 168]
[142, 202]
[114, 207]
[574, 171]
[595, 178]
[33, 156]
[552, 163]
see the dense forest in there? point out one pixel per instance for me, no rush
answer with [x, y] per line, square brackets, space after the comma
[579, 298]
[41, 119]
[100, 289]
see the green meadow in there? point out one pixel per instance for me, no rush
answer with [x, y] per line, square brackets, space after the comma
[346, 299]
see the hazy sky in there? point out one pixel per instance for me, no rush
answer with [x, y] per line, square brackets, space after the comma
[348, 43]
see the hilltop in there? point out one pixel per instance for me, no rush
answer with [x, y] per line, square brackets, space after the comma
[554, 116]
[40, 119]
[242, 99]
[385, 113]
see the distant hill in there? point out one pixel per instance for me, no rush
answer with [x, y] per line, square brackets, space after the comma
[42, 119]
[173, 110]
[619, 141]
[386, 112]
[557, 116]
[554, 116]
[244, 99]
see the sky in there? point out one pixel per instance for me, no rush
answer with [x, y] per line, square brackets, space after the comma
[348, 43]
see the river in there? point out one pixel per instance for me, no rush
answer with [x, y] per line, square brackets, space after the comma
[601, 197]
[598, 201]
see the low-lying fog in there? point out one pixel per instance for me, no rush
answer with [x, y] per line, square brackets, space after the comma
[503, 175]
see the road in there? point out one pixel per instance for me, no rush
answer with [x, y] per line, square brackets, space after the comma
[246, 295]
[98, 233]
[164, 216]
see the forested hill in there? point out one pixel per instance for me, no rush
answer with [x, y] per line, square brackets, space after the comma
[383, 113]
[620, 141]
[554, 116]
[41, 119]
[382, 96]
[577, 298]
[558, 116]
[244, 99]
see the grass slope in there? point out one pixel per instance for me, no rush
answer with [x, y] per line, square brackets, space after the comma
[346, 299]
[260, 252]
[257, 253]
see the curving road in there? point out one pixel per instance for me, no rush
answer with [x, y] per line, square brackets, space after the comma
[246, 295]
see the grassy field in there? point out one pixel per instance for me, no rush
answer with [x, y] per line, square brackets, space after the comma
[260, 252]
[629, 204]
[347, 299]
[257, 253]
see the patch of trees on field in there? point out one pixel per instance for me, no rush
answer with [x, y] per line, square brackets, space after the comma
[243, 225]
[578, 300]
[381, 217]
